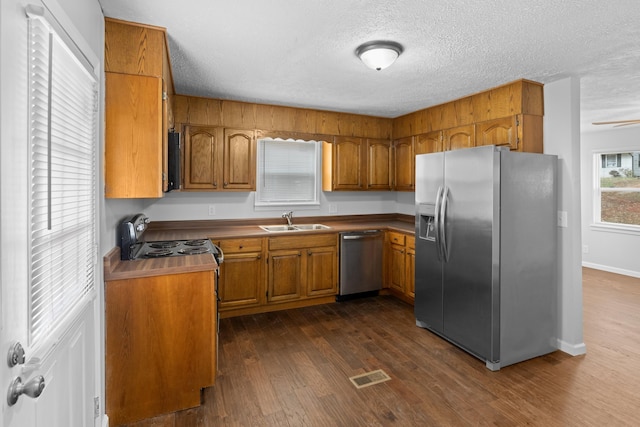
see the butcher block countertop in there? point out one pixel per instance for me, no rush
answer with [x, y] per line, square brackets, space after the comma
[224, 229]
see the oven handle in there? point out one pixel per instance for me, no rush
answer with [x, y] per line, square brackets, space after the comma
[220, 258]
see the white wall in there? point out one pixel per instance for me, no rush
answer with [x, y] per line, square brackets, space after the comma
[239, 205]
[562, 138]
[610, 250]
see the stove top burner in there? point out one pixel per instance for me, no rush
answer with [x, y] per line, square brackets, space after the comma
[194, 251]
[198, 242]
[164, 245]
[158, 253]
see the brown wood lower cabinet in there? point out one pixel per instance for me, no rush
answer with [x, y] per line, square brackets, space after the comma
[280, 272]
[241, 282]
[160, 344]
[302, 267]
[400, 255]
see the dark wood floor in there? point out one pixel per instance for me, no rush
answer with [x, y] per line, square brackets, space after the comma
[291, 368]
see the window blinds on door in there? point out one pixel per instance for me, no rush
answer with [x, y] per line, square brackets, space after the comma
[63, 121]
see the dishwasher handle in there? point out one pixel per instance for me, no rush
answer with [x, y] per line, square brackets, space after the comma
[369, 234]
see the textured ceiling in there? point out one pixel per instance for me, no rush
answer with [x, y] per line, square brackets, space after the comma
[301, 53]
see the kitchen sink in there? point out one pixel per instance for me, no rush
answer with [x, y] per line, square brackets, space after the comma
[312, 227]
[300, 227]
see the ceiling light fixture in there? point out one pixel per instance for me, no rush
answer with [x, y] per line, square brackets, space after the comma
[378, 55]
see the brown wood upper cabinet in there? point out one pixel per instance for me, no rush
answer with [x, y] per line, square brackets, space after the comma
[201, 157]
[343, 164]
[217, 158]
[379, 164]
[357, 164]
[430, 142]
[520, 133]
[404, 170]
[138, 90]
[459, 137]
[239, 160]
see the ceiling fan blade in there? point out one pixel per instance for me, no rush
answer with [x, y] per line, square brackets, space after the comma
[631, 121]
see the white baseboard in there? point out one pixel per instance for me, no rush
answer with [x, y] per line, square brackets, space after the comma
[105, 420]
[612, 269]
[572, 349]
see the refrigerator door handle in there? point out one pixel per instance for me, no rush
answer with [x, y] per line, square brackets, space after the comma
[444, 247]
[437, 223]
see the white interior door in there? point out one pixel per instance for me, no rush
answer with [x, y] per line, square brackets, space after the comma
[67, 358]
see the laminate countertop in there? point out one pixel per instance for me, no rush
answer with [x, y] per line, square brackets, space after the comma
[226, 229]
[116, 269]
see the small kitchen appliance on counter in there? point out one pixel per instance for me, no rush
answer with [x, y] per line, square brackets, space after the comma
[133, 246]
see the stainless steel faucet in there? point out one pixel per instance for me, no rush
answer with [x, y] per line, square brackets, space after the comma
[289, 217]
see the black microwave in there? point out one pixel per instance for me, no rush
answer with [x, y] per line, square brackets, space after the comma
[173, 158]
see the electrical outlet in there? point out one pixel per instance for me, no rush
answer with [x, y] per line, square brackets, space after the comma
[333, 208]
[585, 249]
[212, 210]
[562, 219]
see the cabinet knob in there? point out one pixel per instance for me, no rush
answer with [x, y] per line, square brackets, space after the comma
[225, 184]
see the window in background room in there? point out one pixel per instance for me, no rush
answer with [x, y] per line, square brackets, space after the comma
[617, 200]
[288, 173]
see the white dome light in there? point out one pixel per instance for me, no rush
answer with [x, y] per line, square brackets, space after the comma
[378, 55]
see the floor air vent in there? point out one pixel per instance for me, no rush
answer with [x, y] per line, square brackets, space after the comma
[370, 378]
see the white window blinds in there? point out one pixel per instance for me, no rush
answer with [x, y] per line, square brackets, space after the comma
[63, 137]
[288, 172]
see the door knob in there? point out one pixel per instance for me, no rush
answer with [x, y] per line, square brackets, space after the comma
[33, 388]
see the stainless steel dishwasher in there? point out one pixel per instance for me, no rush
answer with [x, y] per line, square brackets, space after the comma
[360, 263]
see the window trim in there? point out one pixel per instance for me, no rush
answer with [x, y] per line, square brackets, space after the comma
[597, 224]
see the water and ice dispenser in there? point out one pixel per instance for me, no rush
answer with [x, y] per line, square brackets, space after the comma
[426, 221]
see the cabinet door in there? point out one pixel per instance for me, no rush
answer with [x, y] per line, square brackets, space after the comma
[322, 271]
[241, 280]
[348, 164]
[133, 136]
[379, 164]
[430, 142]
[459, 137]
[239, 160]
[285, 275]
[404, 169]
[159, 331]
[398, 270]
[201, 159]
[503, 131]
[410, 264]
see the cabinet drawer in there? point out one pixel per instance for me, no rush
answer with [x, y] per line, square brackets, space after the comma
[302, 241]
[396, 238]
[241, 245]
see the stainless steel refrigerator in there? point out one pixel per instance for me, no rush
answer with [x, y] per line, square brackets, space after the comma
[486, 252]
